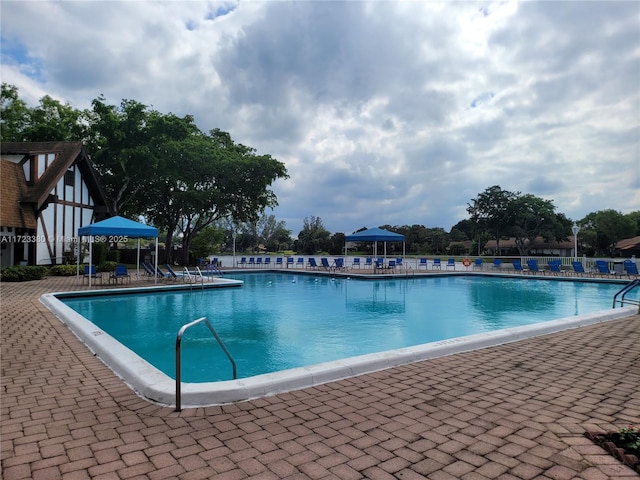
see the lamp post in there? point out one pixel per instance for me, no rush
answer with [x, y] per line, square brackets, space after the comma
[575, 229]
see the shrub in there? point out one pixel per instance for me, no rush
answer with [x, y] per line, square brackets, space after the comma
[113, 256]
[23, 274]
[107, 267]
[63, 270]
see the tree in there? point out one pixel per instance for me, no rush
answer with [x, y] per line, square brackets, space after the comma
[490, 211]
[531, 217]
[273, 233]
[207, 241]
[604, 228]
[14, 115]
[313, 237]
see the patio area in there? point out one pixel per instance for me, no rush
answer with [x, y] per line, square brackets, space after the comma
[516, 411]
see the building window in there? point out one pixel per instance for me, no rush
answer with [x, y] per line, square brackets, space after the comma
[70, 178]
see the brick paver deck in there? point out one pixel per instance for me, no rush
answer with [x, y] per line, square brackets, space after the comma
[516, 411]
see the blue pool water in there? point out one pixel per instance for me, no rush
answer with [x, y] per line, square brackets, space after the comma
[277, 321]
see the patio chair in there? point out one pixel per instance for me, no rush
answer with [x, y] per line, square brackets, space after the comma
[477, 264]
[368, 263]
[437, 265]
[355, 263]
[267, 262]
[289, 262]
[517, 266]
[252, 262]
[392, 265]
[279, 263]
[578, 269]
[422, 263]
[259, 262]
[172, 273]
[325, 263]
[532, 264]
[338, 264]
[120, 273]
[451, 263]
[300, 263]
[631, 268]
[243, 262]
[554, 266]
[311, 264]
[497, 264]
[602, 268]
[91, 273]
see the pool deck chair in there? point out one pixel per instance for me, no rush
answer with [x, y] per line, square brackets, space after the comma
[172, 273]
[91, 273]
[437, 265]
[267, 262]
[532, 264]
[578, 269]
[325, 263]
[120, 273]
[252, 262]
[497, 264]
[554, 267]
[422, 263]
[300, 263]
[477, 264]
[279, 263]
[630, 268]
[338, 264]
[517, 266]
[243, 262]
[355, 263]
[289, 262]
[602, 268]
[368, 263]
[259, 262]
[311, 264]
[391, 266]
[451, 263]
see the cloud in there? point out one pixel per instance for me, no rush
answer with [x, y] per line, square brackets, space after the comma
[383, 112]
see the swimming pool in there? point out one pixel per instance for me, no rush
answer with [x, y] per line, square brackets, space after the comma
[279, 323]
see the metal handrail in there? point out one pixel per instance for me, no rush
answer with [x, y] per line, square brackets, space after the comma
[624, 290]
[178, 355]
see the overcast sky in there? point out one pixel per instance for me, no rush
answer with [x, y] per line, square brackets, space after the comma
[392, 113]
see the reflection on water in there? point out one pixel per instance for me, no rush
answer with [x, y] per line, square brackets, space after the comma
[279, 320]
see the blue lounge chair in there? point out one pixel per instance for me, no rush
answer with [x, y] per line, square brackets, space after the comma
[517, 266]
[477, 264]
[311, 264]
[338, 264]
[451, 263]
[325, 263]
[532, 264]
[172, 273]
[392, 265]
[578, 269]
[243, 262]
[300, 263]
[398, 262]
[436, 264]
[497, 264]
[379, 263]
[120, 273]
[355, 263]
[91, 273]
[368, 263]
[259, 262]
[252, 262]
[422, 263]
[279, 263]
[267, 262]
[289, 262]
[631, 268]
[602, 267]
[554, 267]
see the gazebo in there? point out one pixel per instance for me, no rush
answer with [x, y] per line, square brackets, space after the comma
[119, 227]
[376, 235]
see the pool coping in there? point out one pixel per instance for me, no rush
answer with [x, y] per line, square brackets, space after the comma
[155, 386]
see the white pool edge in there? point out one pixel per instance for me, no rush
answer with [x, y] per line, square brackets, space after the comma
[154, 385]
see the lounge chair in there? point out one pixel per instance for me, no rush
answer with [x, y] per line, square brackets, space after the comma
[289, 262]
[355, 263]
[172, 273]
[437, 265]
[517, 266]
[532, 264]
[422, 263]
[554, 267]
[631, 268]
[279, 263]
[259, 262]
[578, 269]
[120, 273]
[379, 264]
[267, 262]
[159, 272]
[300, 263]
[497, 264]
[311, 264]
[368, 263]
[338, 264]
[392, 265]
[325, 263]
[252, 262]
[243, 262]
[451, 263]
[602, 267]
[477, 264]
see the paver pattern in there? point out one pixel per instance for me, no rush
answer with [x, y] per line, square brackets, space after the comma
[515, 411]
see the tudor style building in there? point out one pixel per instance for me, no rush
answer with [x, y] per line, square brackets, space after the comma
[47, 191]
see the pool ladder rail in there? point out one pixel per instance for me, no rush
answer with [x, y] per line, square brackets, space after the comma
[179, 354]
[623, 292]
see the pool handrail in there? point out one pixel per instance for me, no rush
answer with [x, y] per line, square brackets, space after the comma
[626, 289]
[178, 356]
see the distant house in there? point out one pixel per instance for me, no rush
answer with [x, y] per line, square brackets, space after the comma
[47, 191]
[628, 247]
[537, 247]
